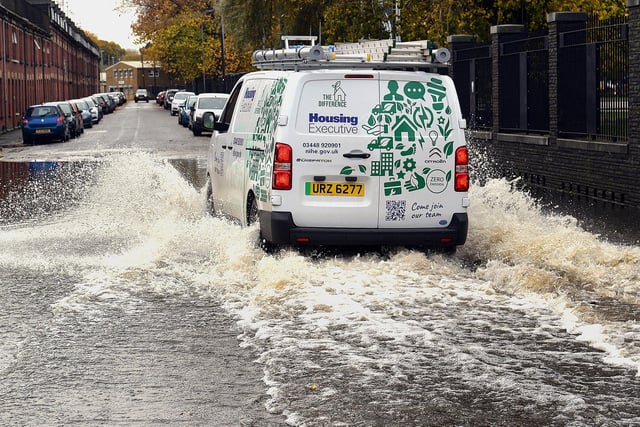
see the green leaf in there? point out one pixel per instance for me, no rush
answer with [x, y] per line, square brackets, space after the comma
[347, 170]
[449, 176]
[426, 171]
[448, 148]
[363, 168]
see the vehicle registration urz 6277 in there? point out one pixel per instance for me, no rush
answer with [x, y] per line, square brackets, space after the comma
[334, 189]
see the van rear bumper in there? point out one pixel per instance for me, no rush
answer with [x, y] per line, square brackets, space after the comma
[279, 228]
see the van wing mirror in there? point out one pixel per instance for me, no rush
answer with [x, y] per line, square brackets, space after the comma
[209, 123]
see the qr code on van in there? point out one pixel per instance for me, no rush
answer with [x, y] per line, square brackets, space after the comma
[396, 210]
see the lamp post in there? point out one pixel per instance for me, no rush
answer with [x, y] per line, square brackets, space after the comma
[144, 84]
[204, 66]
[222, 54]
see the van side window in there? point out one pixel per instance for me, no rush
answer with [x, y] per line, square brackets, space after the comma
[227, 114]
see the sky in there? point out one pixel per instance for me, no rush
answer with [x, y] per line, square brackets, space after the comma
[100, 18]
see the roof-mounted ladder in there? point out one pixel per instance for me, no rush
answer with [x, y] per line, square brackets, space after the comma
[371, 54]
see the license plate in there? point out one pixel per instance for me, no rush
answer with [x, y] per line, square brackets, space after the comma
[43, 130]
[334, 189]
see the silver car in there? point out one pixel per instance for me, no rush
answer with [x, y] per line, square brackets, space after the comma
[179, 99]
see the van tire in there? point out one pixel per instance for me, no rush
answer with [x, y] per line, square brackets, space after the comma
[252, 218]
[211, 210]
[252, 210]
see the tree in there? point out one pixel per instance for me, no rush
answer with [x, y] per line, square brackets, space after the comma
[185, 37]
[179, 30]
[110, 52]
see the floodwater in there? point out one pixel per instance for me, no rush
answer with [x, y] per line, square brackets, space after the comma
[123, 303]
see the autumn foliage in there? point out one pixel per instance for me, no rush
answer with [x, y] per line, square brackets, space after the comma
[185, 34]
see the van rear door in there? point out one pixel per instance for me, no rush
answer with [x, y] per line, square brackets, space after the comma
[418, 162]
[333, 183]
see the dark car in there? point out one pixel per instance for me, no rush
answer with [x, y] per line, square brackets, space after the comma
[160, 98]
[44, 122]
[110, 104]
[74, 120]
[168, 97]
[103, 101]
[141, 95]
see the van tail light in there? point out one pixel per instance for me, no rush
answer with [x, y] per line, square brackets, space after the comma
[282, 163]
[462, 170]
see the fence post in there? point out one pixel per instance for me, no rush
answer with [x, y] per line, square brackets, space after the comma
[634, 80]
[463, 78]
[500, 34]
[559, 23]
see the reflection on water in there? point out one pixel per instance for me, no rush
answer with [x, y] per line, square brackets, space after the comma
[31, 189]
[194, 171]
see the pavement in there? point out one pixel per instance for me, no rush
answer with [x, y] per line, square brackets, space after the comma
[11, 139]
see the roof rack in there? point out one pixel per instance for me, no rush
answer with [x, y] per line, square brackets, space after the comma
[419, 55]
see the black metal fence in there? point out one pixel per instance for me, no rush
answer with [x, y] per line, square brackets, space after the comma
[593, 90]
[592, 82]
[524, 92]
[473, 74]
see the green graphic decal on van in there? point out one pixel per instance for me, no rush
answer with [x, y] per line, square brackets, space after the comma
[259, 163]
[404, 123]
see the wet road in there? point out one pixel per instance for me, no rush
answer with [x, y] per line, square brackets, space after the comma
[122, 303]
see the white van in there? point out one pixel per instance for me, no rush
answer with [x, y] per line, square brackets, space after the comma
[342, 155]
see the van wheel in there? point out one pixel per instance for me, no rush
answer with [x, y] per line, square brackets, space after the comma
[252, 218]
[211, 210]
[252, 210]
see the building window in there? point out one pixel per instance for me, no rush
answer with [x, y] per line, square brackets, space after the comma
[115, 74]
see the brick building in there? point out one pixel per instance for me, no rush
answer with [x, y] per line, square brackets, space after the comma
[129, 76]
[44, 57]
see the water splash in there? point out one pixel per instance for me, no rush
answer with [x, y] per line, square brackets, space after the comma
[341, 325]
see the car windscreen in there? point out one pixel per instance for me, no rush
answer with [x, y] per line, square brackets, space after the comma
[212, 103]
[66, 108]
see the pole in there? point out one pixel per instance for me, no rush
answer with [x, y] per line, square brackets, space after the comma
[204, 83]
[222, 48]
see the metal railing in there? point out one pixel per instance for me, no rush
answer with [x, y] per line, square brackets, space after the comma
[593, 81]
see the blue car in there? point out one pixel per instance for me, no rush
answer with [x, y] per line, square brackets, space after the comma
[44, 123]
[185, 108]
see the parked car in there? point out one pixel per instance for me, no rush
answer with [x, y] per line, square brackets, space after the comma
[83, 107]
[77, 113]
[185, 109]
[74, 121]
[44, 123]
[168, 97]
[213, 102]
[116, 99]
[141, 95]
[160, 98]
[107, 103]
[178, 99]
[94, 109]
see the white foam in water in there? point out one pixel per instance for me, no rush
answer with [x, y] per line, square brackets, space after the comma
[373, 318]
